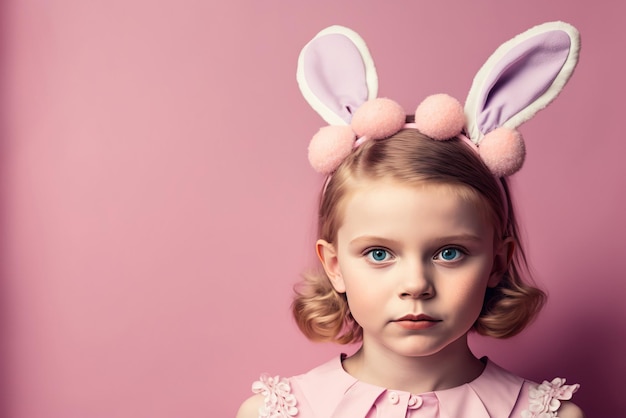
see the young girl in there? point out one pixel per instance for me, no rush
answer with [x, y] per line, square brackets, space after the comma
[418, 241]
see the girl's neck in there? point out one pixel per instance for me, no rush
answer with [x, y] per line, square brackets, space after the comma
[453, 366]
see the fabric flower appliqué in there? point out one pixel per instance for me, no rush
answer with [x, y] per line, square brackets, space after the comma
[279, 401]
[545, 399]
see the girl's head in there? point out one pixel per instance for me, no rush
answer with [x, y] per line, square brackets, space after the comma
[337, 77]
[409, 158]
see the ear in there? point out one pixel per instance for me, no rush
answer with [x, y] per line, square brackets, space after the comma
[501, 261]
[328, 256]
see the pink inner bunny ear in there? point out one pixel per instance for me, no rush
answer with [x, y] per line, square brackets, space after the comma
[336, 74]
[522, 77]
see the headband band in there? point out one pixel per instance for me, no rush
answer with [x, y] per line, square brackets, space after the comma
[337, 77]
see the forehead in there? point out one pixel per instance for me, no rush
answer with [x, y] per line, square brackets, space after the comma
[389, 207]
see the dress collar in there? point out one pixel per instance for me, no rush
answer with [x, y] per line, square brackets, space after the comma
[493, 393]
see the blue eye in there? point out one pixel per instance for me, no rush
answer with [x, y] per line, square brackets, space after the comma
[378, 254]
[449, 254]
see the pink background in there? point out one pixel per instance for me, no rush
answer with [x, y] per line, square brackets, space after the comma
[157, 205]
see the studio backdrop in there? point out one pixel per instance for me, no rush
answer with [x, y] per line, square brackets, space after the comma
[157, 205]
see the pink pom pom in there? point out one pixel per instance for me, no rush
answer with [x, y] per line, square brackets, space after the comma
[440, 117]
[503, 151]
[329, 147]
[378, 118]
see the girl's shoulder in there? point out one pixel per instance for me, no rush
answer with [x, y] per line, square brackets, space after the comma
[570, 410]
[550, 399]
[272, 395]
[251, 406]
[295, 396]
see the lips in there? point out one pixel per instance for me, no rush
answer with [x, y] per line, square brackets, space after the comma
[420, 317]
[417, 322]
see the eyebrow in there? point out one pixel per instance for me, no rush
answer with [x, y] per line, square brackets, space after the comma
[372, 238]
[387, 241]
[461, 237]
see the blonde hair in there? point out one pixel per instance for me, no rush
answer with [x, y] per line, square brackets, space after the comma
[322, 313]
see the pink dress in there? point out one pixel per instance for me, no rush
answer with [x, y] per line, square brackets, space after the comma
[328, 391]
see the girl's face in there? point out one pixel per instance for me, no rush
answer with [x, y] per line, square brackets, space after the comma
[414, 262]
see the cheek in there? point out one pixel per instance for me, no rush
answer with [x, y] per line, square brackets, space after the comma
[469, 287]
[361, 307]
[464, 295]
[364, 299]
[359, 294]
[366, 285]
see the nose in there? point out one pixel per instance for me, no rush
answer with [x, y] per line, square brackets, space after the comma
[416, 282]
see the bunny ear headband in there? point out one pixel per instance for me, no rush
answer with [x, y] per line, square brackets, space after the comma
[337, 77]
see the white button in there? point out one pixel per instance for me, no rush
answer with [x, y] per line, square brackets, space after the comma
[393, 397]
[415, 401]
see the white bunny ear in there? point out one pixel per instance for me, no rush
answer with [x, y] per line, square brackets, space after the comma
[336, 74]
[521, 77]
